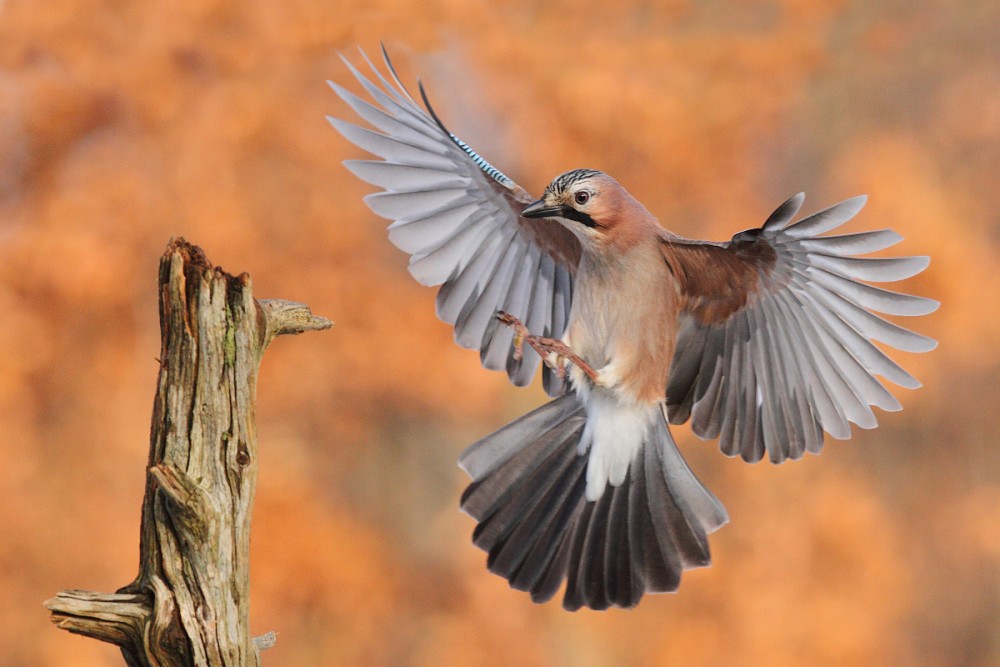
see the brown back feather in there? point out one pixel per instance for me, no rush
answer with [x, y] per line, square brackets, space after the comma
[716, 280]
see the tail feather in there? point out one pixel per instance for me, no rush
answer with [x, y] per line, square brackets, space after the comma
[658, 571]
[511, 491]
[528, 494]
[483, 496]
[605, 571]
[592, 575]
[624, 588]
[574, 597]
[690, 494]
[534, 507]
[548, 552]
[555, 571]
[681, 540]
[482, 458]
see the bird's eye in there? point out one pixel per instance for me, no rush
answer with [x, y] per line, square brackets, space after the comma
[581, 197]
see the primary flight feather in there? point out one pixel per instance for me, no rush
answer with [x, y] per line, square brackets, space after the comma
[764, 342]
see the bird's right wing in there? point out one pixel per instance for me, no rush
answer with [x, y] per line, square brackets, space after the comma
[459, 218]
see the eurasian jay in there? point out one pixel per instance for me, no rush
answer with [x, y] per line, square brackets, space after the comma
[763, 341]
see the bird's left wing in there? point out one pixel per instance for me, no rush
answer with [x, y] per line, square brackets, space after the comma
[459, 218]
[775, 340]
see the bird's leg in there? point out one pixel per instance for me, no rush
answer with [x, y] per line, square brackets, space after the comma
[554, 353]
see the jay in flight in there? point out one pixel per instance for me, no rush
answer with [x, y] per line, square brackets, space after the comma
[764, 342]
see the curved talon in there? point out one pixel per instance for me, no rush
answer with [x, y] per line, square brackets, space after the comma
[520, 332]
[518, 346]
[547, 348]
[508, 319]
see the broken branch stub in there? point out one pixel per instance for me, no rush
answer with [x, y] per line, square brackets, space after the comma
[189, 604]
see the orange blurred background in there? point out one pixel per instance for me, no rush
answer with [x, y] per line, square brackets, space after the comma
[125, 123]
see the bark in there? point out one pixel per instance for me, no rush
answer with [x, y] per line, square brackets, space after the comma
[189, 604]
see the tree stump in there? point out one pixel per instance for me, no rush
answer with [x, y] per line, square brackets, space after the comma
[189, 604]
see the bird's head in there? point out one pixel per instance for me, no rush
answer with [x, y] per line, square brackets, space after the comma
[590, 204]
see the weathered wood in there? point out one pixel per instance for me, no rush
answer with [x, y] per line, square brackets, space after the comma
[189, 605]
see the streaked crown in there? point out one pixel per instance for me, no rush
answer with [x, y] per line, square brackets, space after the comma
[570, 178]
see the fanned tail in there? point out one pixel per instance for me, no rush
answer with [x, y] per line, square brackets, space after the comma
[528, 495]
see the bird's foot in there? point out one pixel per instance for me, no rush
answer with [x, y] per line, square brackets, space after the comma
[555, 353]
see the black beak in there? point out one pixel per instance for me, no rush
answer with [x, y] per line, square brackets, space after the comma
[538, 209]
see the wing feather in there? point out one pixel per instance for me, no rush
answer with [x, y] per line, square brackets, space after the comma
[562, 296]
[478, 313]
[437, 265]
[459, 218]
[389, 148]
[770, 367]
[852, 244]
[401, 205]
[396, 177]
[422, 235]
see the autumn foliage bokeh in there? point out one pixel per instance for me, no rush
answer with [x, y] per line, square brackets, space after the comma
[125, 123]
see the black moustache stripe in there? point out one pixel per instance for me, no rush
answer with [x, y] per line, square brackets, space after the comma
[578, 216]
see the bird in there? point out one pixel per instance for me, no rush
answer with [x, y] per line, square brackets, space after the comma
[764, 342]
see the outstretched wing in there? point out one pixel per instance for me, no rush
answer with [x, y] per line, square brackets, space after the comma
[459, 219]
[775, 340]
